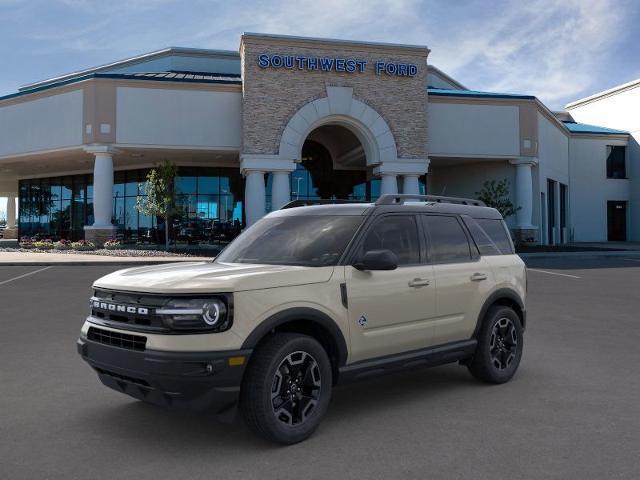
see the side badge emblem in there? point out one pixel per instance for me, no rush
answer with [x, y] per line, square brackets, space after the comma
[362, 321]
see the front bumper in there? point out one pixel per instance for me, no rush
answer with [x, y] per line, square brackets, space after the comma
[202, 381]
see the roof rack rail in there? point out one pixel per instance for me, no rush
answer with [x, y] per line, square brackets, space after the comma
[321, 201]
[393, 199]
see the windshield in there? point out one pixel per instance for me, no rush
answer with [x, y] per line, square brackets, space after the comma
[310, 241]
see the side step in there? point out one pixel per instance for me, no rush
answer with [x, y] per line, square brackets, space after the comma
[425, 357]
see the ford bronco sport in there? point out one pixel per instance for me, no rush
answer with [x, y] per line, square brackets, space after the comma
[310, 297]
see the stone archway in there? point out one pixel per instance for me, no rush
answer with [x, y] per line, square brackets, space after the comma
[340, 108]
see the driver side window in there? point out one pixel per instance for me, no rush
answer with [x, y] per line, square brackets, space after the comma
[398, 233]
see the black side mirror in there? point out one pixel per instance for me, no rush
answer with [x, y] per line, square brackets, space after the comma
[377, 260]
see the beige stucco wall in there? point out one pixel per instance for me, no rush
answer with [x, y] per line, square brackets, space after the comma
[272, 96]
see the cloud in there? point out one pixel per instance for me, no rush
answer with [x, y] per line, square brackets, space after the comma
[555, 50]
[558, 50]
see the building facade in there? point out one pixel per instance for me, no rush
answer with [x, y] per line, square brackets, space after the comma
[298, 118]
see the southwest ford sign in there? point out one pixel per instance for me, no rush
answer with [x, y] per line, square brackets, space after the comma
[335, 64]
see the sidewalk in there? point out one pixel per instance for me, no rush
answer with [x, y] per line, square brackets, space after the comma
[35, 259]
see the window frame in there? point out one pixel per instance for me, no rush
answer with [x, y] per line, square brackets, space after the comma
[474, 253]
[355, 248]
[608, 150]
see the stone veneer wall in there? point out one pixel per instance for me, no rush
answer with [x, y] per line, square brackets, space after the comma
[271, 96]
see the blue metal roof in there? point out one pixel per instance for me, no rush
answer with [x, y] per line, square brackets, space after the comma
[575, 127]
[445, 92]
[188, 77]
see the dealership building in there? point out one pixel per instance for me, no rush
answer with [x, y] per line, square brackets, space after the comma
[305, 118]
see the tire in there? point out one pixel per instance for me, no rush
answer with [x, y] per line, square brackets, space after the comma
[287, 388]
[500, 343]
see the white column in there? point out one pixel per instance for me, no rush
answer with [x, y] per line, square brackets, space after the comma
[524, 192]
[103, 190]
[254, 196]
[11, 212]
[280, 190]
[389, 184]
[410, 184]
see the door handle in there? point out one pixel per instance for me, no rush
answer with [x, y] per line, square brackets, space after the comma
[419, 282]
[476, 277]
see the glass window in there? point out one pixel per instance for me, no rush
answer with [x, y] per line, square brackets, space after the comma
[447, 240]
[485, 244]
[498, 232]
[313, 241]
[186, 185]
[67, 188]
[398, 233]
[119, 179]
[208, 185]
[131, 185]
[616, 161]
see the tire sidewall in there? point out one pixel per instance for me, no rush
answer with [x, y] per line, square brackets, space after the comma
[484, 344]
[295, 433]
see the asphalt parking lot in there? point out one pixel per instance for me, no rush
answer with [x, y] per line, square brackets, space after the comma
[572, 411]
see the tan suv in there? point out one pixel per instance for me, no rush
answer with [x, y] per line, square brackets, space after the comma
[310, 297]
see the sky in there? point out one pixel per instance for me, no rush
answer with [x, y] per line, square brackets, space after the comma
[558, 50]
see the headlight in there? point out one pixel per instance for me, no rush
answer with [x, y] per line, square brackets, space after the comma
[212, 314]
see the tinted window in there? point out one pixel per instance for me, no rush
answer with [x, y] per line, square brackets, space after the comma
[314, 241]
[485, 244]
[616, 167]
[498, 233]
[396, 233]
[448, 241]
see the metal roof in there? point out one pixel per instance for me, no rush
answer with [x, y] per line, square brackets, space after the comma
[575, 127]
[445, 92]
[131, 61]
[186, 77]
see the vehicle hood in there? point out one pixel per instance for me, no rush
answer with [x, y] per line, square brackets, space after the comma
[205, 277]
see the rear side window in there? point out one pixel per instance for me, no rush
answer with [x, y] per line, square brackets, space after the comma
[447, 240]
[498, 233]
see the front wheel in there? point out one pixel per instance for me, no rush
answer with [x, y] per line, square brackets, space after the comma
[499, 349]
[287, 388]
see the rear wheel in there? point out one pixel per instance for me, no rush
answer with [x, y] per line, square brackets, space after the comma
[287, 388]
[500, 343]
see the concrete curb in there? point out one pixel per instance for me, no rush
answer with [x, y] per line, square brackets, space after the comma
[597, 254]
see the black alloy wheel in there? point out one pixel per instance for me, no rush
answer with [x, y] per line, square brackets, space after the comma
[504, 343]
[296, 388]
[287, 387]
[499, 348]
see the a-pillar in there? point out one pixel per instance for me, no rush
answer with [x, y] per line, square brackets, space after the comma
[524, 230]
[102, 228]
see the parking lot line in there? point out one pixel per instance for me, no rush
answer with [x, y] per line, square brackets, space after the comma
[553, 273]
[25, 275]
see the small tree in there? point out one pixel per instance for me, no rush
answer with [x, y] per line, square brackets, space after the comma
[496, 195]
[160, 193]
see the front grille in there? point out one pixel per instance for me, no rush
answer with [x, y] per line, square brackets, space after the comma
[117, 339]
[128, 310]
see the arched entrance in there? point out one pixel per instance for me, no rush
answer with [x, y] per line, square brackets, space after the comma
[333, 166]
[332, 147]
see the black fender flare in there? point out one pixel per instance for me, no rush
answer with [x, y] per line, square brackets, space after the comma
[502, 293]
[307, 314]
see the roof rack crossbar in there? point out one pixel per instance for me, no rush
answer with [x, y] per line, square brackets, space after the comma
[393, 199]
[321, 201]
